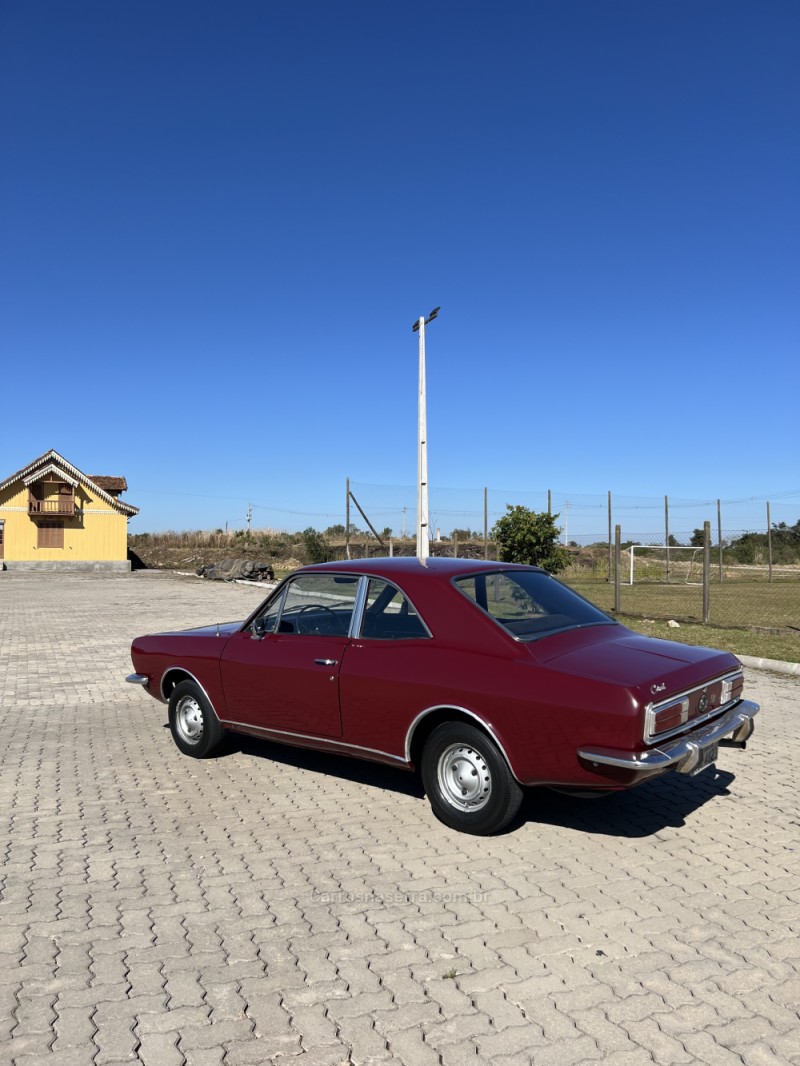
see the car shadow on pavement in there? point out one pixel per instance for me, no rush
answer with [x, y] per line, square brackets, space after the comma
[639, 812]
[358, 771]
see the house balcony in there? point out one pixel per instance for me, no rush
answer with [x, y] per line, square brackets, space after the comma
[61, 506]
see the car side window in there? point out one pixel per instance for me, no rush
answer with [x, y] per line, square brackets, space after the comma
[530, 604]
[268, 618]
[314, 604]
[389, 614]
[500, 597]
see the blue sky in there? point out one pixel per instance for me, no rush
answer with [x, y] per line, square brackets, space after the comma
[220, 221]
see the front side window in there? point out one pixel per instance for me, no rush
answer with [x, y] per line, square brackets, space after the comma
[530, 604]
[316, 604]
[389, 614]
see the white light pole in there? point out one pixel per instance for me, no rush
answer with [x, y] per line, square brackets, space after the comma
[423, 532]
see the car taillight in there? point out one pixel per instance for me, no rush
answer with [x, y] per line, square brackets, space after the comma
[697, 704]
[670, 717]
[731, 688]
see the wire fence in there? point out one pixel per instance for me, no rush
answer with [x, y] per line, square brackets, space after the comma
[750, 579]
[584, 518]
[737, 582]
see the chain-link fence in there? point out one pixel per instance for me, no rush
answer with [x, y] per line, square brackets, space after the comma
[743, 579]
[749, 576]
[676, 583]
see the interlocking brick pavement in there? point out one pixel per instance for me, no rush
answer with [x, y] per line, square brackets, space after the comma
[270, 906]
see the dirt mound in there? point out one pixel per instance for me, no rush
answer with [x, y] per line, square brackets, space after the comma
[182, 557]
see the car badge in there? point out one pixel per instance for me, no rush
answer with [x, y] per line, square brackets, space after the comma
[702, 703]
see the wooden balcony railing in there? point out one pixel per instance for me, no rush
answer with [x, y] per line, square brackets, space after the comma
[54, 505]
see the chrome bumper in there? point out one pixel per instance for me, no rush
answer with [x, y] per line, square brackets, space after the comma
[684, 753]
[138, 679]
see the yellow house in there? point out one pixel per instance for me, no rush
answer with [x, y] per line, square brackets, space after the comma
[55, 517]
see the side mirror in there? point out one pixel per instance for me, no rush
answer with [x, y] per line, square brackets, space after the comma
[258, 629]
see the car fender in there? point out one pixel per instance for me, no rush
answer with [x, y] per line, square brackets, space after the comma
[452, 712]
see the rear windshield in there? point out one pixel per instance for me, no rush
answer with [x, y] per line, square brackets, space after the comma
[530, 604]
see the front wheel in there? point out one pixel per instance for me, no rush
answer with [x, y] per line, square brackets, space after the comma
[468, 781]
[194, 725]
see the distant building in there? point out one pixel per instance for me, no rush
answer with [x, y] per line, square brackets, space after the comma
[55, 517]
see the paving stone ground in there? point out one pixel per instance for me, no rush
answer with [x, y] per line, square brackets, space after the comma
[271, 906]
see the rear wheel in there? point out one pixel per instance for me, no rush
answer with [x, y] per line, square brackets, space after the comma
[468, 781]
[194, 725]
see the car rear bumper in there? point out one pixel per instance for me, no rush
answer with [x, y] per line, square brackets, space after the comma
[683, 754]
[138, 679]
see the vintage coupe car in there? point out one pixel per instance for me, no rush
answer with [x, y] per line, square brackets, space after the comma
[487, 676]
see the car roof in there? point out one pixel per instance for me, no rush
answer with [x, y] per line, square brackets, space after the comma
[398, 566]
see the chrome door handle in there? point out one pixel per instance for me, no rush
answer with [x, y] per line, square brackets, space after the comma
[326, 662]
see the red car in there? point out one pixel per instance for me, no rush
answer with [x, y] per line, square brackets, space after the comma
[487, 676]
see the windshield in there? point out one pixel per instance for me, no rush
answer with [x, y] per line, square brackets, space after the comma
[530, 604]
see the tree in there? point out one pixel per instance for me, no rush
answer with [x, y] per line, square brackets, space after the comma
[315, 545]
[525, 536]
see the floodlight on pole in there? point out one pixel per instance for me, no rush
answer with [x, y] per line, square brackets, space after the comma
[423, 531]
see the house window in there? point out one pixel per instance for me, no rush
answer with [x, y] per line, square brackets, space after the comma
[51, 535]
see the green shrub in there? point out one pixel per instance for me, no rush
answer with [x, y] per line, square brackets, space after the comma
[531, 537]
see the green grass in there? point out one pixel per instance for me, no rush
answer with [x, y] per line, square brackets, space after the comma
[748, 618]
[781, 646]
[775, 606]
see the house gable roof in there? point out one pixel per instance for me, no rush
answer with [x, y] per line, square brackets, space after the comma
[110, 484]
[52, 462]
[50, 468]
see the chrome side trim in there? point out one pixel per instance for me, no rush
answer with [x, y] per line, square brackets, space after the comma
[358, 607]
[463, 710]
[138, 679]
[334, 742]
[682, 753]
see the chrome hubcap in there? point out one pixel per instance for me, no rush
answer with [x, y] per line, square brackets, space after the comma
[464, 777]
[189, 719]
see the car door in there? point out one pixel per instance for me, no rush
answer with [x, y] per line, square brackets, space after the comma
[393, 670]
[282, 674]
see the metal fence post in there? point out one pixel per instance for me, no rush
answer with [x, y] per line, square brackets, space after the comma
[617, 561]
[485, 521]
[610, 543]
[719, 537]
[666, 532]
[706, 571]
[769, 542]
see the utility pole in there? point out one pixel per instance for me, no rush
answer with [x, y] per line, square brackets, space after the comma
[423, 531]
[249, 515]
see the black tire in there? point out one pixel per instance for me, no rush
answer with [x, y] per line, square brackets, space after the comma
[194, 725]
[468, 781]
